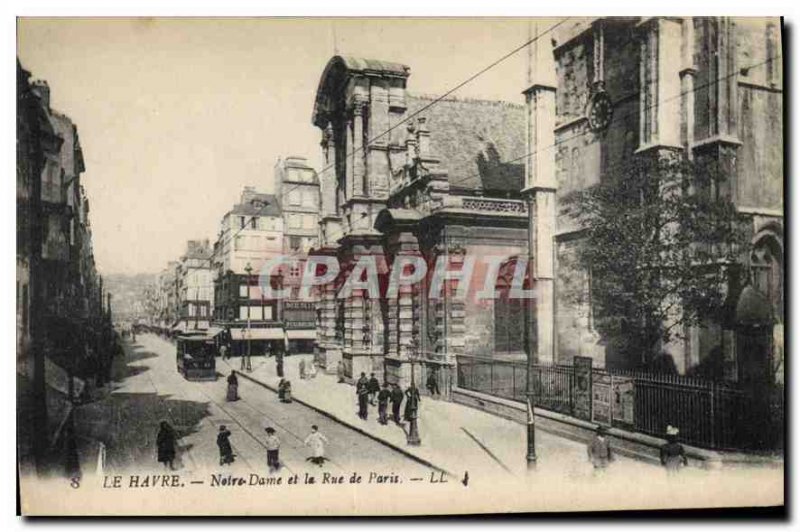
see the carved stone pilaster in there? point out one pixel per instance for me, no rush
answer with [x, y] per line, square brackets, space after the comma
[328, 347]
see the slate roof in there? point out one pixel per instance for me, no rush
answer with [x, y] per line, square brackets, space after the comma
[250, 209]
[474, 139]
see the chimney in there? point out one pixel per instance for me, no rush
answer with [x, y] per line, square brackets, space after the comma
[42, 90]
[423, 138]
[411, 145]
[248, 193]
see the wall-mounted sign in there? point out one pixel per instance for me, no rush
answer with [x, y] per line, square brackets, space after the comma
[601, 400]
[623, 399]
[582, 388]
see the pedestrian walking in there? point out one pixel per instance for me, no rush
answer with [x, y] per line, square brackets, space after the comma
[397, 400]
[223, 352]
[433, 384]
[165, 442]
[362, 392]
[312, 370]
[673, 456]
[233, 387]
[316, 440]
[599, 450]
[287, 391]
[224, 444]
[383, 403]
[302, 369]
[273, 446]
[412, 402]
[373, 386]
[340, 371]
[279, 363]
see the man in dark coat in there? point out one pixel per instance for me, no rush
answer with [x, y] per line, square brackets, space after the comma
[397, 400]
[374, 387]
[224, 444]
[433, 384]
[383, 403]
[362, 391]
[165, 442]
[279, 363]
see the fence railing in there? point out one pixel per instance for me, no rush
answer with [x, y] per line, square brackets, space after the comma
[708, 414]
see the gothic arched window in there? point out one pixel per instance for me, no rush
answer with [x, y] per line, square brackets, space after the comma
[766, 262]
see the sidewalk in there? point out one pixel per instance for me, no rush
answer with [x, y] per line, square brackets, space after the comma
[455, 438]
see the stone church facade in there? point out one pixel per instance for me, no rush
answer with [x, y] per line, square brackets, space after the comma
[465, 179]
[434, 186]
[693, 87]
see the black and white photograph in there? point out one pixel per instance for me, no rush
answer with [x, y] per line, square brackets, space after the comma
[360, 266]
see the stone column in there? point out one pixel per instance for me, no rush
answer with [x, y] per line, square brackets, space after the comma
[359, 150]
[328, 350]
[660, 81]
[363, 316]
[541, 193]
[687, 75]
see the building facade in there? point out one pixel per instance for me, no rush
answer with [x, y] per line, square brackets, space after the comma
[297, 189]
[251, 233]
[437, 188]
[168, 311]
[195, 286]
[64, 336]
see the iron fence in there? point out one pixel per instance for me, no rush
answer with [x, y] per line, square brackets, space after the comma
[707, 413]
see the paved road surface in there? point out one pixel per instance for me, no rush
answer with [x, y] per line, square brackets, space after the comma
[149, 389]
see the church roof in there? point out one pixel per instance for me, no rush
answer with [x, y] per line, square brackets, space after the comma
[481, 143]
[362, 64]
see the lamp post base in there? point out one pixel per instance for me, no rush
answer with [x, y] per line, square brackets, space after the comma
[413, 434]
[531, 456]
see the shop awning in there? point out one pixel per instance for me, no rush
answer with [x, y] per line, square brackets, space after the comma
[270, 333]
[214, 331]
[302, 334]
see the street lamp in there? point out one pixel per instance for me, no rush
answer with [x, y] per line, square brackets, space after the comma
[412, 438]
[249, 270]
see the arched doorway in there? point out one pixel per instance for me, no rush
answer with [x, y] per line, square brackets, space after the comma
[510, 336]
[767, 276]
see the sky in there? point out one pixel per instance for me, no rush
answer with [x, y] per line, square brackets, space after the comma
[175, 116]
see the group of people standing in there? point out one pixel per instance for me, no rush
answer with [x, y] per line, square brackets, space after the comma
[367, 390]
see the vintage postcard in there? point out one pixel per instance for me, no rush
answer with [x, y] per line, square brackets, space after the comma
[377, 266]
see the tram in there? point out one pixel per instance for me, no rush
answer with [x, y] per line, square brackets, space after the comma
[195, 357]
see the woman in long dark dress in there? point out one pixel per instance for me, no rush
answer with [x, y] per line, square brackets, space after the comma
[233, 387]
[224, 444]
[412, 402]
[165, 441]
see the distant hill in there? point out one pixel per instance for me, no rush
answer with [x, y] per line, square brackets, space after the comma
[128, 294]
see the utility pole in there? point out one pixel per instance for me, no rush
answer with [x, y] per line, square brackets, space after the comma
[248, 366]
[540, 189]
